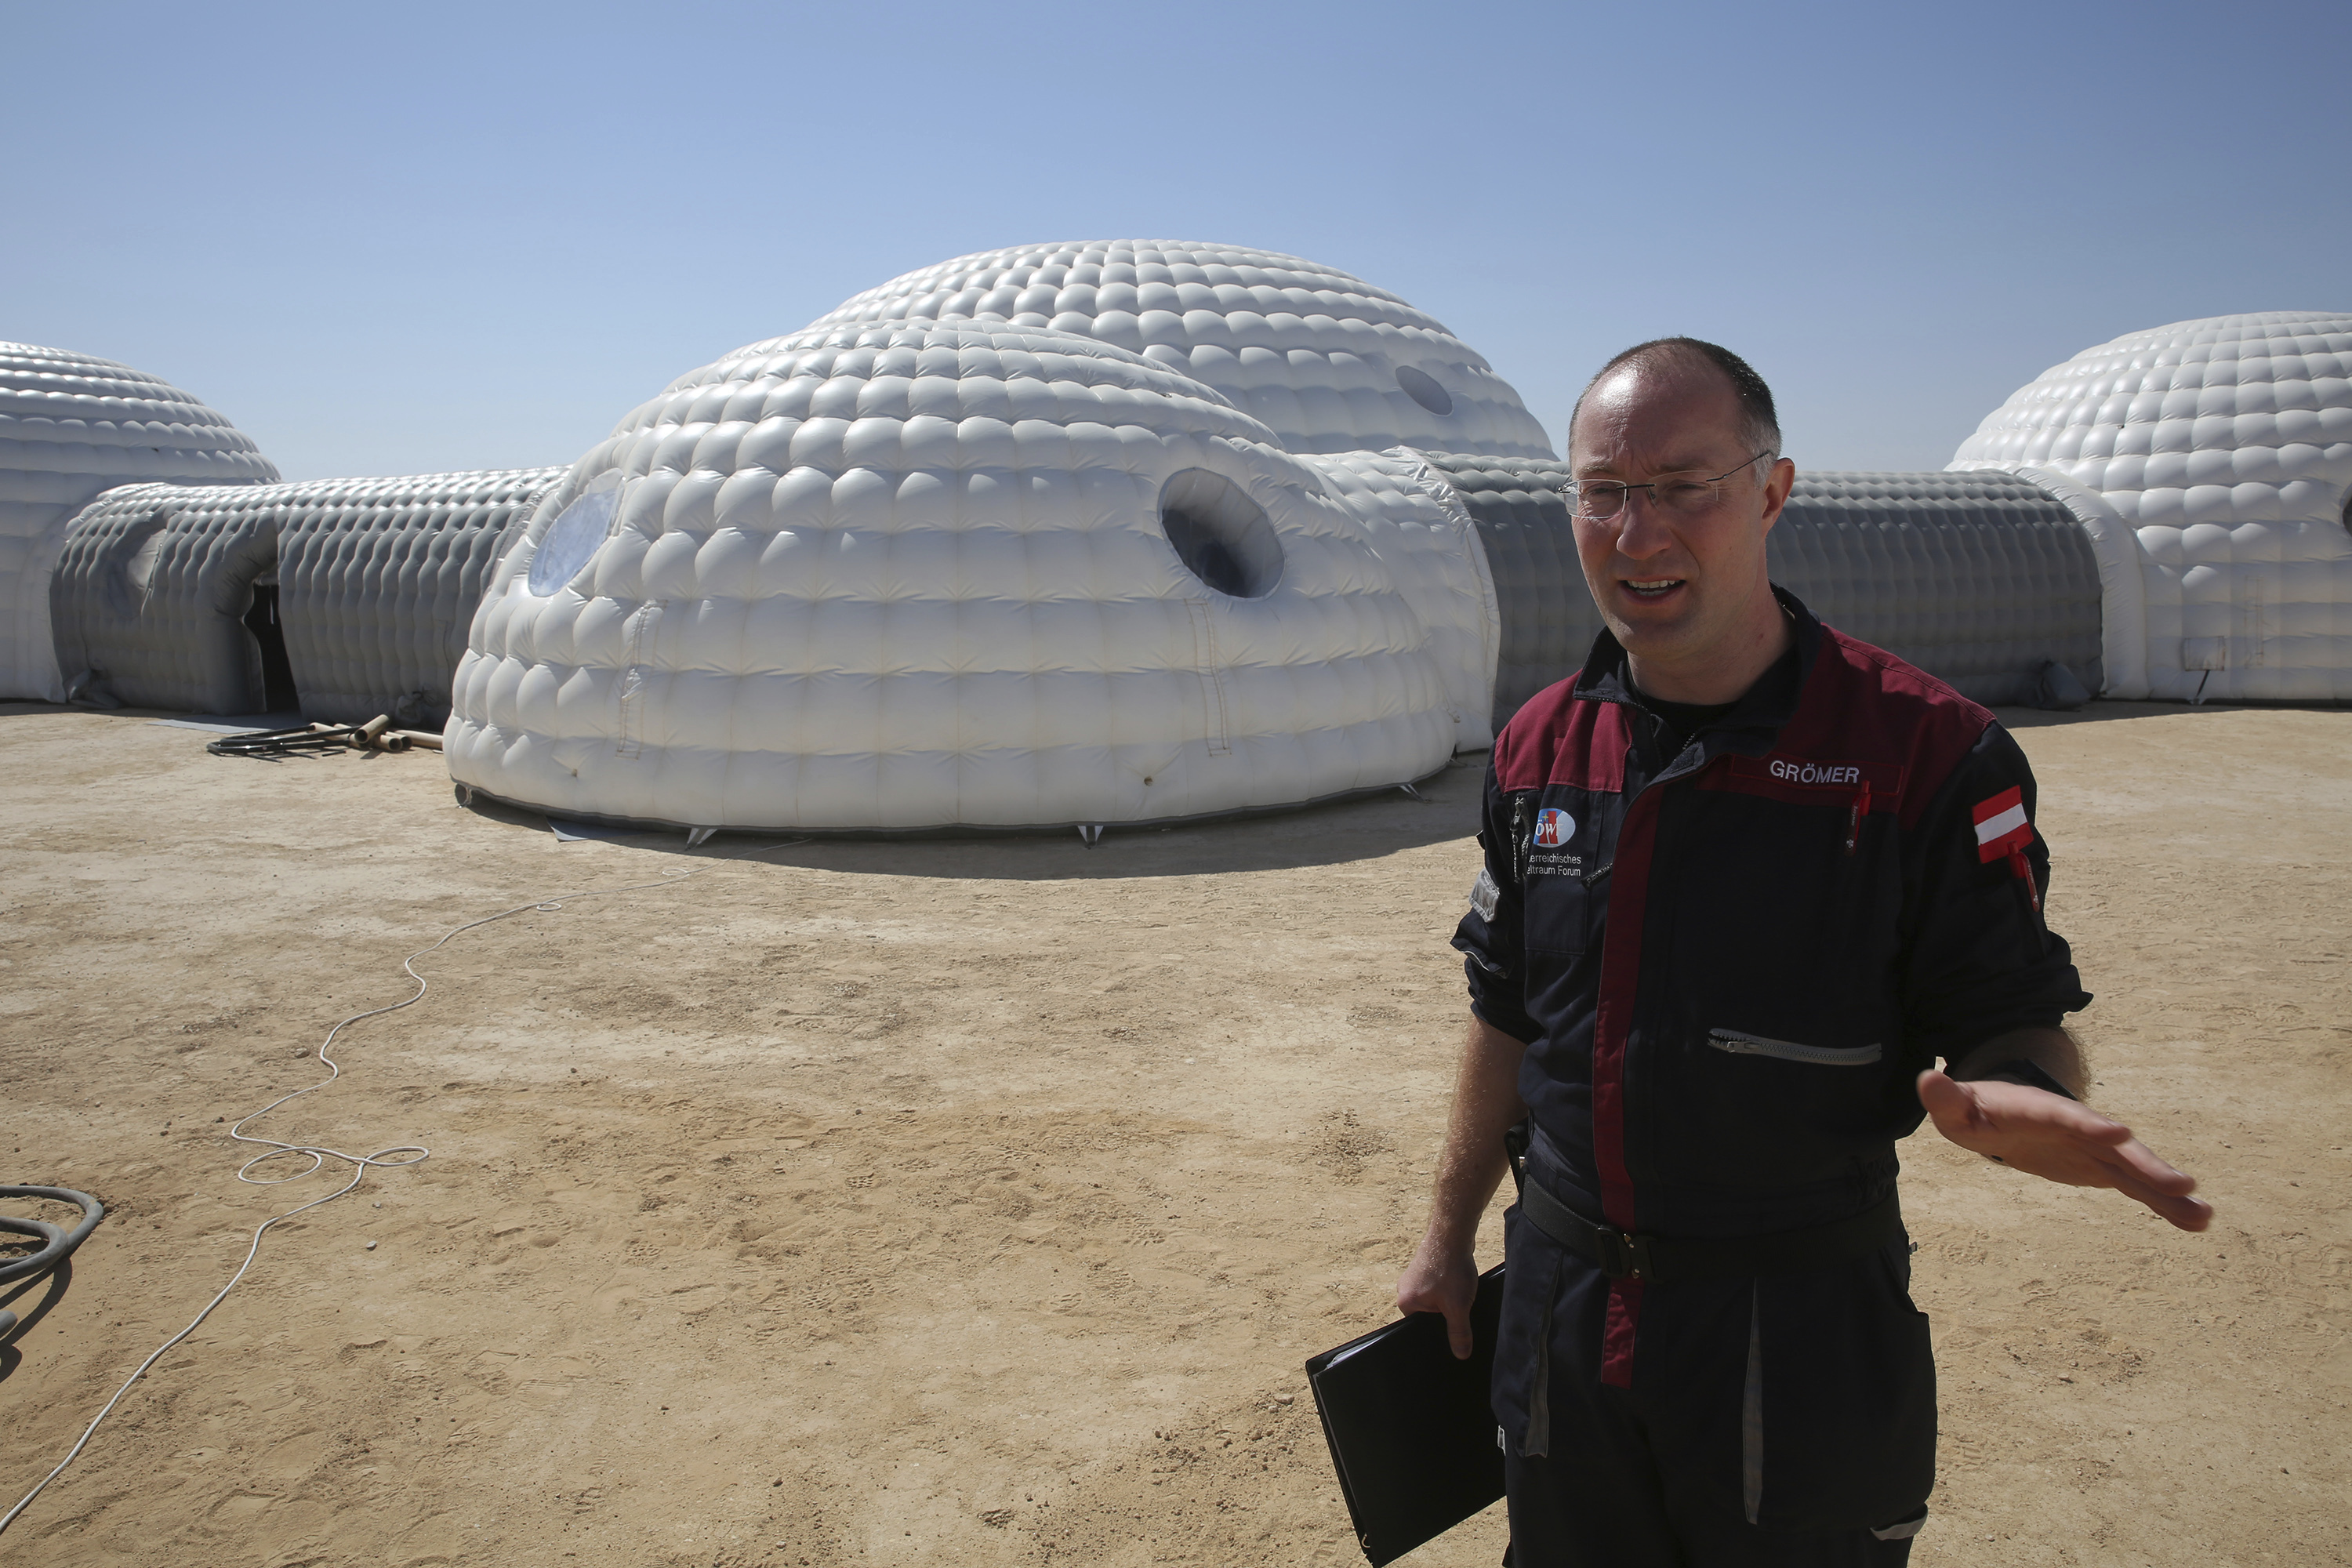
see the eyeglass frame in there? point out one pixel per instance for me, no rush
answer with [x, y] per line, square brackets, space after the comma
[1568, 491]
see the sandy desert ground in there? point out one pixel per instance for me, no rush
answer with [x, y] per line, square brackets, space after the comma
[977, 1202]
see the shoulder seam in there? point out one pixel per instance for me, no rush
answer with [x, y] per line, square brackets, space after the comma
[1936, 691]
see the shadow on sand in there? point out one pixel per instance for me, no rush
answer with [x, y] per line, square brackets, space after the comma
[54, 1285]
[2106, 712]
[1443, 806]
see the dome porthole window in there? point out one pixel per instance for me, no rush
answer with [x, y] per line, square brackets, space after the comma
[1424, 389]
[1223, 536]
[573, 540]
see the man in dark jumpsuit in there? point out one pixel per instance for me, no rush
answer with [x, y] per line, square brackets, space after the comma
[1745, 881]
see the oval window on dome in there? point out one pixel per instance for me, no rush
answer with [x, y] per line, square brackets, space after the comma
[1423, 388]
[1223, 537]
[573, 540]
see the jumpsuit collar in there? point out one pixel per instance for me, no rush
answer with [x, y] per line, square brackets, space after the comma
[1759, 714]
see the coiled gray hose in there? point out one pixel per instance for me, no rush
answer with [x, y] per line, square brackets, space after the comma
[58, 1242]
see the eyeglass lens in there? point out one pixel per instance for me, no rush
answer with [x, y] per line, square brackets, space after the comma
[1606, 498]
[1681, 494]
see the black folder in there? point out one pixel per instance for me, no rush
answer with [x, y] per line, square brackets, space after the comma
[1412, 1433]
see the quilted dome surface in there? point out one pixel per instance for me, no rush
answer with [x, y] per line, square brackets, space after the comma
[907, 575]
[2232, 419]
[71, 426]
[2225, 446]
[1326, 361]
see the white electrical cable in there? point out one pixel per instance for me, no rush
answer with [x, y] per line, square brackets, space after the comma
[318, 1155]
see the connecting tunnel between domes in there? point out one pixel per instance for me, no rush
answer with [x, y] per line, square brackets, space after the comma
[347, 598]
[71, 427]
[150, 597]
[1979, 578]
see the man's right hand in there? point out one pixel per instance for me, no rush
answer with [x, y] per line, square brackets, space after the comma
[1442, 1279]
[1444, 1273]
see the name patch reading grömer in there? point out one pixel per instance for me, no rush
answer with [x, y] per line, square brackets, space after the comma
[1816, 773]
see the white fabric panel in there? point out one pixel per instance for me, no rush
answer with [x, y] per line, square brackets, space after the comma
[907, 576]
[1327, 362]
[1548, 617]
[70, 427]
[1421, 529]
[2122, 589]
[2226, 444]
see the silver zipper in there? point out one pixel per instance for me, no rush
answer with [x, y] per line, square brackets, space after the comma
[1745, 1045]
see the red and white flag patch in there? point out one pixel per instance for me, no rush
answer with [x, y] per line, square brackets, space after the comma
[2002, 827]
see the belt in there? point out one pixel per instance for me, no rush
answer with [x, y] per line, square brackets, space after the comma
[1667, 1260]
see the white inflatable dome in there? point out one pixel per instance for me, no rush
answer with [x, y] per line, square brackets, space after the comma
[1326, 362]
[908, 575]
[1416, 522]
[2211, 462]
[70, 427]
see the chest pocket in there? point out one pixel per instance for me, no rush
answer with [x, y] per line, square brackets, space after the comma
[1561, 914]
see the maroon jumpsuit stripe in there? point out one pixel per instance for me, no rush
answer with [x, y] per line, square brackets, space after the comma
[1621, 976]
[1585, 748]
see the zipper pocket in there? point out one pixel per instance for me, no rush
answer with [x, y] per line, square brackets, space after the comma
[1745, 1045]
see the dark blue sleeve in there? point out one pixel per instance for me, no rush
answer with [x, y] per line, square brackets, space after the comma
[1490, 933]
[1979, 960]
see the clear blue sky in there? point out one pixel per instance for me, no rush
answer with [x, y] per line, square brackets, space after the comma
[392, 239]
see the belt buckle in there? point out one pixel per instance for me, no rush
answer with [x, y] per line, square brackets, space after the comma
[1625, 1254]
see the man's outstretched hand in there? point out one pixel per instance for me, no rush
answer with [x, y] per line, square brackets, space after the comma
[2050, 1136]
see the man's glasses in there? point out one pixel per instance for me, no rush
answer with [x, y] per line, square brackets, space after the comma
[1676, 494]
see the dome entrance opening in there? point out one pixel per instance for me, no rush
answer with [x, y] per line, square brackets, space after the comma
[1424, 389]
[1223, 537]
[268, 633]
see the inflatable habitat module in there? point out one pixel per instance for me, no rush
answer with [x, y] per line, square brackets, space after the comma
[71, 427]
[1135, 532]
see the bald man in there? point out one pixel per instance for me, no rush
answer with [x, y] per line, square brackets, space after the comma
[1747, 883]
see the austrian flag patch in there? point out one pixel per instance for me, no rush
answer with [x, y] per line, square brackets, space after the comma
[2002, 827]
